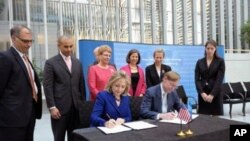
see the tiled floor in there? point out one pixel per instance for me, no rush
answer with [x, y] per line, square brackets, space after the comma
[43, 129]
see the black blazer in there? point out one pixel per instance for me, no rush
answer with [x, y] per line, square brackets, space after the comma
[209, 80]
[62, 88]
[152, 77]
[16, 92]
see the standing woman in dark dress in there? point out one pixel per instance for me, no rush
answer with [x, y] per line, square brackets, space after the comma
[138, 83]
[209, 74]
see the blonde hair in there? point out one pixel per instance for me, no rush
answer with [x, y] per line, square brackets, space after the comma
[104, 48]
[172, 76]
[117, 76]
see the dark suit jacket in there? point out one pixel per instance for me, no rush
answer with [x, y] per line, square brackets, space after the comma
[152, 102]
[62, 88]
[152, 77]
[16, 91]
[105, 104]
[209, 80]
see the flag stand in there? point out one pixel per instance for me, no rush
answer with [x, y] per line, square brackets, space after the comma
[189, 131]
[181, 133]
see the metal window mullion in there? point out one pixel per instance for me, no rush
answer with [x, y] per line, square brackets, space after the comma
[104, 19]
[229, 26]
[213, 19]
[153, 25]
[129, 21]
[245, 6]
[117, 20]
[76, 29]
[27, 2]
[10, 15]
[245, 18]
[184, 9]
[204, 21]
[221, 23]
[164, 21]
[45, 29]
[90, 21]
[174, 22]
[237, 24]
[60, 18]
[195, 31]
[142, 20]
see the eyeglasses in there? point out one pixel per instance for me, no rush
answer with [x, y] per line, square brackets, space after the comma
[25, 41]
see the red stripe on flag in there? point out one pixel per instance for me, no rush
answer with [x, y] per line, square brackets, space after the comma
[184, 115]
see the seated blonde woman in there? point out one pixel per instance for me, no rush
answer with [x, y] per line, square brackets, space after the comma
[112, 106]
[99, 74]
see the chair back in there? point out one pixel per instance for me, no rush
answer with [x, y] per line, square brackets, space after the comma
[247, 94]
[237, 89]
[184, 97]
[135, 106]
[182, 94]
[86, 111]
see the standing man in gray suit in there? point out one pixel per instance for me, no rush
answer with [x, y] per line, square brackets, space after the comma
[20, 89]
[64, 89]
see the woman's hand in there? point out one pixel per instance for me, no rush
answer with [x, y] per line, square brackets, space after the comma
[110, 123]
[204, 96]
[210, 98]
[120, 121]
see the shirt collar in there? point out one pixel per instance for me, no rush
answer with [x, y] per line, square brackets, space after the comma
[19, 52]
[162, 90]
[64, 57]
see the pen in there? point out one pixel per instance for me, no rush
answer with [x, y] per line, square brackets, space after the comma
[108, 116]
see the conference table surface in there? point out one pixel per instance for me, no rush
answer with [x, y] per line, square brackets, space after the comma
[205, 128]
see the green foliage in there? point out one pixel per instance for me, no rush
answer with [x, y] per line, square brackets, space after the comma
[1, 5]
[39, 71]
[245, 32]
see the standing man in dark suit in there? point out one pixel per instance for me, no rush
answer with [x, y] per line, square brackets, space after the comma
[161, 101]
[155, 72]
[64, 89]
[20, 89]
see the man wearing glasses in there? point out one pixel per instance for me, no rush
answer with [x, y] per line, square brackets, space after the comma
[161, 101]
[20, 89]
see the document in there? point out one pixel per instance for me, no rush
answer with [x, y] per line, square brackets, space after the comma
[176, 120]
[138, 125]
[116, 129]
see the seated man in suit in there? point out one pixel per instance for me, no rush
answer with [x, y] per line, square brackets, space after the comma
[161, 100]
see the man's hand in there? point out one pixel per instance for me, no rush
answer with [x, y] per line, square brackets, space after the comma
[168, 116]
[55, 114]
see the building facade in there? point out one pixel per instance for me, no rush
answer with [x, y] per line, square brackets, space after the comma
[182, 22]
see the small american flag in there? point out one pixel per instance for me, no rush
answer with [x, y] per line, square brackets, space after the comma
[184, 115]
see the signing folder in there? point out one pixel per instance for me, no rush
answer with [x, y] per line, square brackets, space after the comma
[138, 125]
[116, 129]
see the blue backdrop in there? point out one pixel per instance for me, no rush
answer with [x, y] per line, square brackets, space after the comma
[181, 58]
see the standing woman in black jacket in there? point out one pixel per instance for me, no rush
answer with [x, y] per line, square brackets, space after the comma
[209, 74]
[155, 72]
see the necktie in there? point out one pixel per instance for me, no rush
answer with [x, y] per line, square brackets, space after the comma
[34, 96]
[68, 63]
[164, 103]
